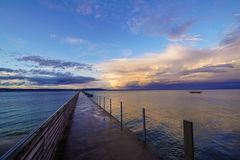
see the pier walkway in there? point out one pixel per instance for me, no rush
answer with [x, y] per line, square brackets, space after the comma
[95, 135]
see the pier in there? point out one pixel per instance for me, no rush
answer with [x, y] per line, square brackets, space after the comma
[95, 135]
[43, 141]
[80, 130]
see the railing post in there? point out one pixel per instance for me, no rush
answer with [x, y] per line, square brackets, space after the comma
[98, 100]
[104, 103]
[144, 125]
[188, 140]
[121, 114]
[110, 105]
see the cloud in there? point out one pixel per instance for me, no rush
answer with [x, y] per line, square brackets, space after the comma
[52, 75]
[210, 69]
[150, 24]
[93, 8]
[40, 61]
[177, 64]
[185, 37]
[49, 73]
[69, 39]
[152, 18]
[60, 80]
[15, 82]
[178, 33]
[232, 36]
[85, 8]
[162, 19]
[180, 29]
[8, 71]
[74, 40]
[139, 16]
[37, 77]
[48, 81]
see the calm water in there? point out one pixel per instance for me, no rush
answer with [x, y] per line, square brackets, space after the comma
[215, 115]
[20, 112]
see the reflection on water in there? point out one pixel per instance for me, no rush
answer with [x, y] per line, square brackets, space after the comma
[214, 113]
[20, 112]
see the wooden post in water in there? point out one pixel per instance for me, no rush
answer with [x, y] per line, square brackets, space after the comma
[104, 103]
[100, 101]
[121, 114]
[97, 100]
[144, 125]
[188, 140]
[110, 105]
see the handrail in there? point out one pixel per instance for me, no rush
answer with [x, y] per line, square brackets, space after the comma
[37, 143]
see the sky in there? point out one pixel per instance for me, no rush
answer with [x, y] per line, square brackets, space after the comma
[127, 44]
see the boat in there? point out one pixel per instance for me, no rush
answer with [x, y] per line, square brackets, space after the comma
[195, 92]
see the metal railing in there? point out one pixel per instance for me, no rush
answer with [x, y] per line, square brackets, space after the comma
[42, 142]
[187, 125]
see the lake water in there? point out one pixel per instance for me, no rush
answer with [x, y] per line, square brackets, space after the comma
[21, 112]
[215, 115]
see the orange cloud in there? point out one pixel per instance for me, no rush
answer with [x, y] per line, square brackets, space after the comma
[176, 64]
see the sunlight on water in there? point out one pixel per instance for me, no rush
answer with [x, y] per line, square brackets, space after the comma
[215, 115]
[20, 112]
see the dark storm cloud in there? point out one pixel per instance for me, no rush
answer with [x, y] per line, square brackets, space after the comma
[57, 80]
[41, 77]
[40, 61]
[60, 80]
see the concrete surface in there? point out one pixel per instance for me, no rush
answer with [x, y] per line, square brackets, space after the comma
[94, 135]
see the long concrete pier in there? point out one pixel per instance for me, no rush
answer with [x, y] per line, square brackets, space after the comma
[95, 135]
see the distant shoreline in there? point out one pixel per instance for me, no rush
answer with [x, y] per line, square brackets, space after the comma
[100, 89]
